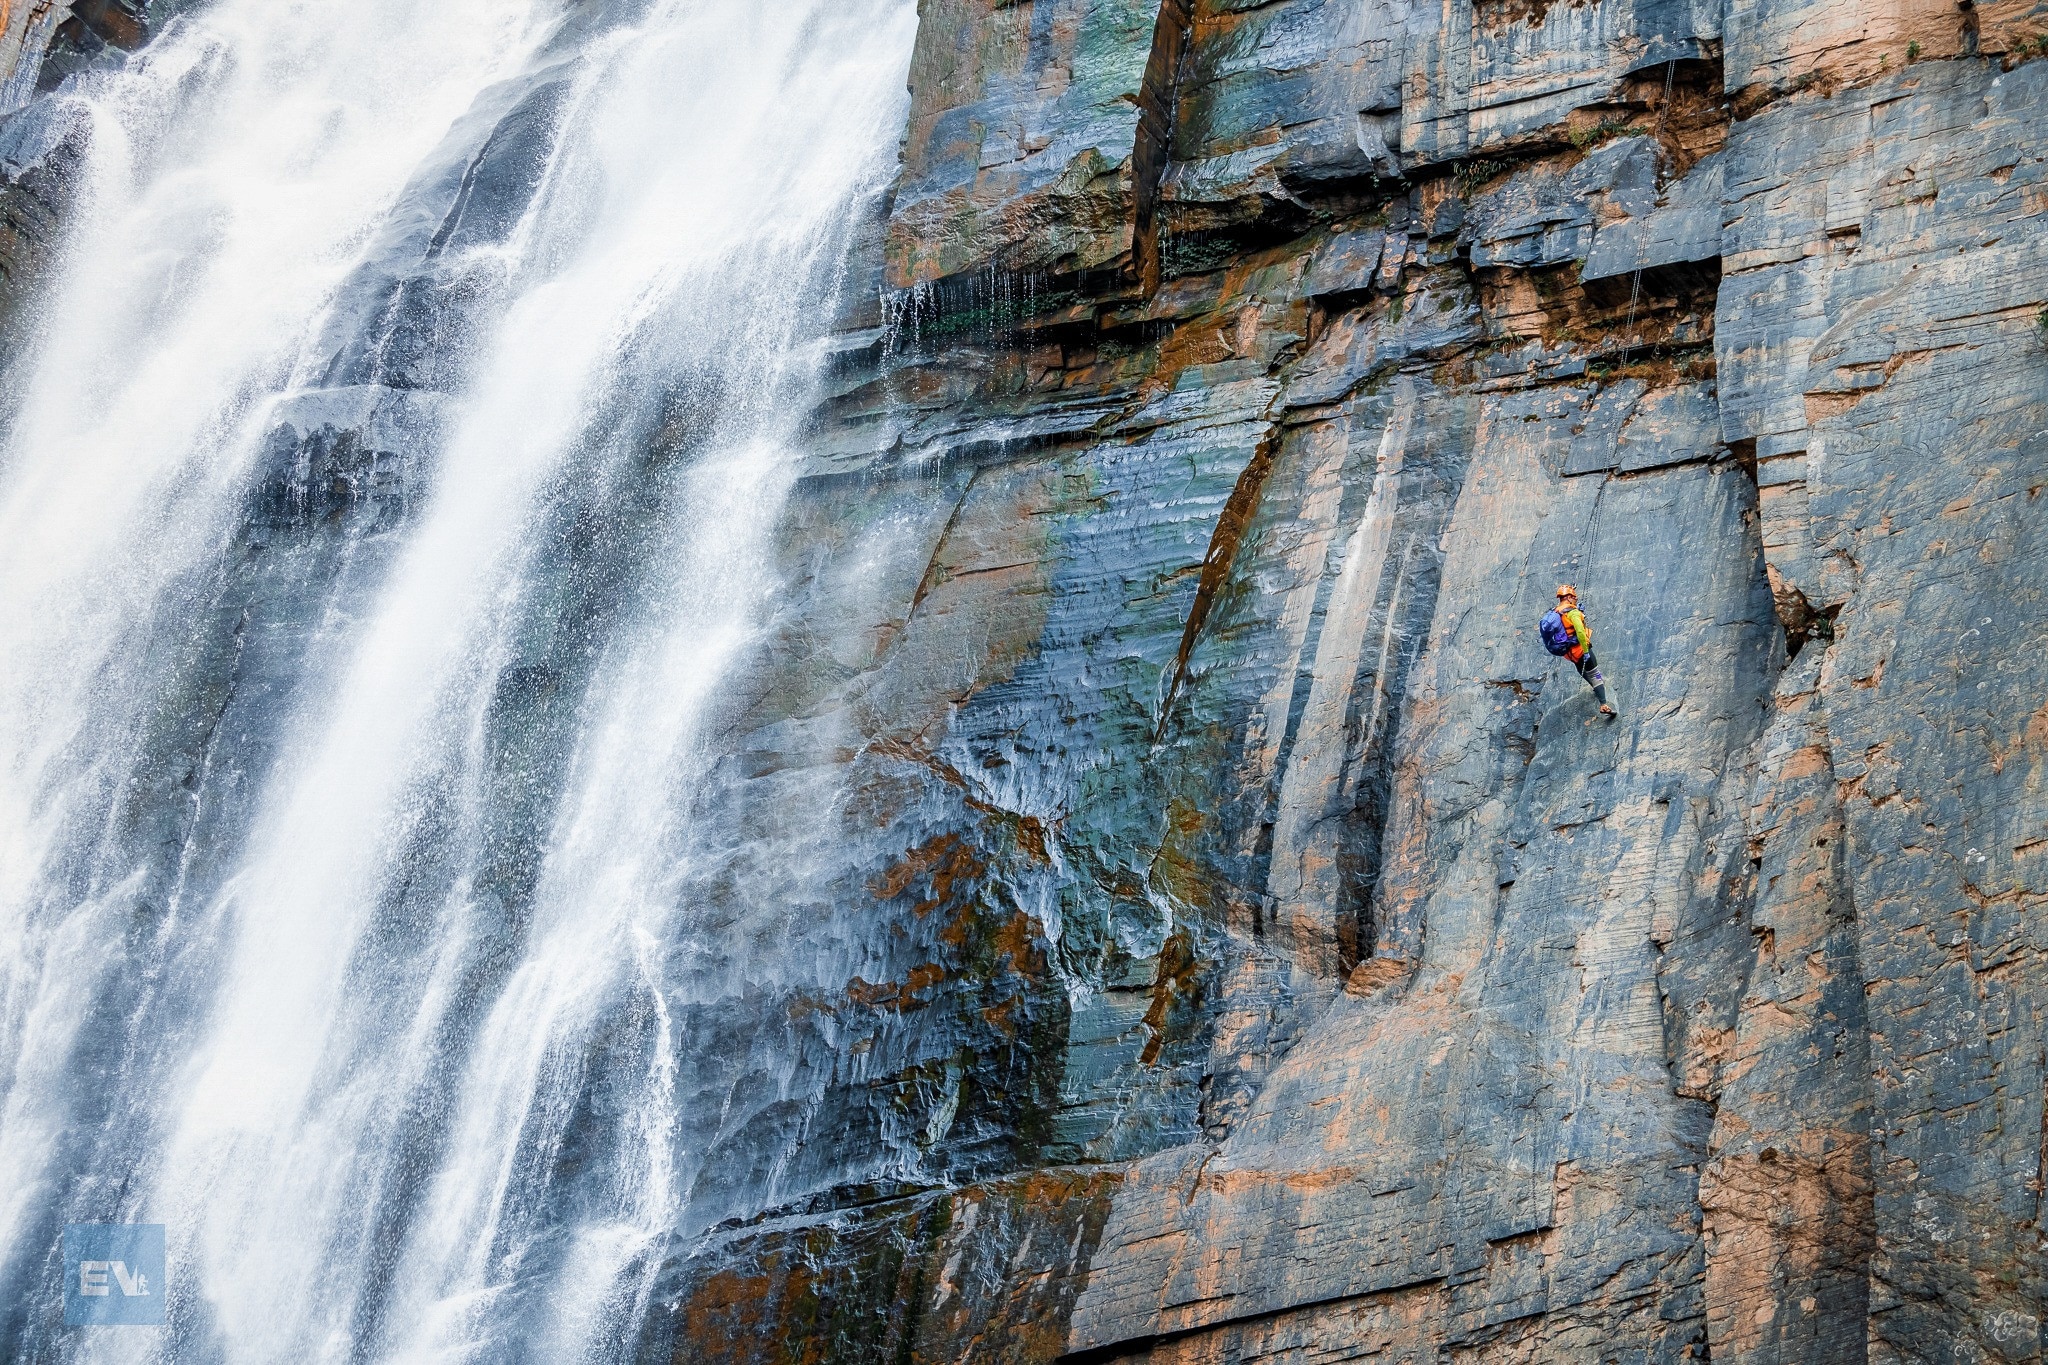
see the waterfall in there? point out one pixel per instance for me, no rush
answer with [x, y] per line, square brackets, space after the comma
[388, 487]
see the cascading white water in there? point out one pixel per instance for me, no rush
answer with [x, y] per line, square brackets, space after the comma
[352, 1067]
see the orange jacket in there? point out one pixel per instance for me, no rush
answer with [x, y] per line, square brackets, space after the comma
[1583, 633]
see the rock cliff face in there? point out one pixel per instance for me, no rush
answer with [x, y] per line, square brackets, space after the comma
[41, 42]
[1247, 376]
[1265, 954]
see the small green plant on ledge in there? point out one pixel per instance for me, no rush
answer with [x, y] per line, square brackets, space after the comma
[1604, 131]
[2041, 322]
[1475, 173]
[1913, 52]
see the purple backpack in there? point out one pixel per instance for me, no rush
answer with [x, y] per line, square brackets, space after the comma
[1557, 636]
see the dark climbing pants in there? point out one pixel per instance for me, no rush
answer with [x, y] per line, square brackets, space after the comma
[1589, 669]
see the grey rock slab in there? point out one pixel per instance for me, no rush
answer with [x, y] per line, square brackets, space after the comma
[1022, 127]
[1877, 340]
[1530, 66]
[1594, 436]
[1546, 214]
[1299, 90]
[1520, 1080]
[1790, 1152]
[1670, 426]
[1682, 226]
[1924, 521]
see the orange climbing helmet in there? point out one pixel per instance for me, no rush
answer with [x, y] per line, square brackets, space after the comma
[1565, 590]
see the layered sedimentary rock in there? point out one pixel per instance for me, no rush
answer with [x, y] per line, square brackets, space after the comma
[1260, 949]
[1247, 377]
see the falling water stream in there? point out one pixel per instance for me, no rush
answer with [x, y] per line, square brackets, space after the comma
[387, 489]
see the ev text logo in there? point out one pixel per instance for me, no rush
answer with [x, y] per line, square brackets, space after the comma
[114, 1274]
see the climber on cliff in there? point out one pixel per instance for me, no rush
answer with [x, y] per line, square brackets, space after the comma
[1566, 633]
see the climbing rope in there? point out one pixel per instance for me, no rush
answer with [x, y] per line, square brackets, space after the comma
[1635, 287]
[1585, 538]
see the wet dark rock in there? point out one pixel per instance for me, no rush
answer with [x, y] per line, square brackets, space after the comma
[38, 148]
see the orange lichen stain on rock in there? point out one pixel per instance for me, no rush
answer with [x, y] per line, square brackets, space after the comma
[902, 996]
[1018, 939]
[1180, 868]
[1389, 1325]
[731, 1307]
[1797, 1206]
[1002, 1016]
[2037, 728]
[1178, 979]
[802, 1006]
[1809, 761]
[1376, 974]
[1205, 341]
[1708, 1053]
[943, 861]
[964, 1316]
[1233, 1187]
[1033, 834]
